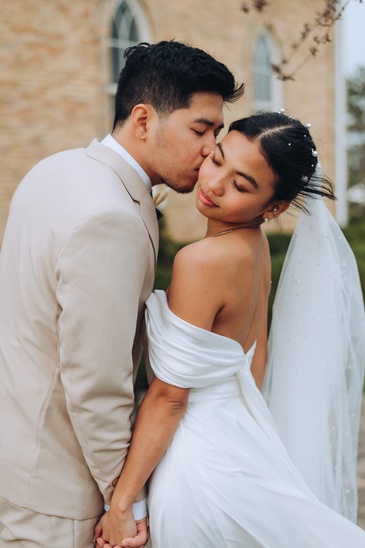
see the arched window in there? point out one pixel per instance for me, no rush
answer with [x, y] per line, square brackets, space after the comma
[129, 27]
[267, 88]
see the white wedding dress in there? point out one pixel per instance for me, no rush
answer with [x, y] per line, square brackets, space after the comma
[226, 479]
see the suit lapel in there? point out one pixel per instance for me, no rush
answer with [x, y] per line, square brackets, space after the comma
[133, 184]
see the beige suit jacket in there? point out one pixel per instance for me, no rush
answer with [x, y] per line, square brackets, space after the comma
[76, 267]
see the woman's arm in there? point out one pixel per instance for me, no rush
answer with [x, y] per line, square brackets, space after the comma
[158, 418]
[163, 405]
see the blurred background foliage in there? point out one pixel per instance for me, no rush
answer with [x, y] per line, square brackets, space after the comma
[354, 233]
[356, 145]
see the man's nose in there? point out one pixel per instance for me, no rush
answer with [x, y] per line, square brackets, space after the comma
[209, 144]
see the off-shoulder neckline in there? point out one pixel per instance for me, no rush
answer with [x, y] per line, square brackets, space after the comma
[207, 333]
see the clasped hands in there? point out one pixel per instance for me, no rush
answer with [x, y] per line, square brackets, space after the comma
[118, 529]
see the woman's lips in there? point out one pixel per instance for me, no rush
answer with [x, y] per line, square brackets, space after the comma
[205, 199]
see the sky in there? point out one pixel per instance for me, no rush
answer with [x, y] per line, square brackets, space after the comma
[354, 30]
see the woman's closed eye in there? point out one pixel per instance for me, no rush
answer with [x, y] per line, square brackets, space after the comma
[237, 187]
[214, 160]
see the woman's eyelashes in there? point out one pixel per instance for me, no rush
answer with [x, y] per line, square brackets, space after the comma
[215, 161]
[239, 188]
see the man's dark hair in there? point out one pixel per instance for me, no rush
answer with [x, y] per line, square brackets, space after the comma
[166, 75]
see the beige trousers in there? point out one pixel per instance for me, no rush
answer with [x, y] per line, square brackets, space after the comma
[23, 528]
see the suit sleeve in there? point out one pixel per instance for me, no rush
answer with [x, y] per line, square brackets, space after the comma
[101, 272]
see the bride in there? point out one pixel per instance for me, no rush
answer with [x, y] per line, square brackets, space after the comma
[221, 474]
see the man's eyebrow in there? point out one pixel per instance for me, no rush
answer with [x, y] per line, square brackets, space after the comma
[244, 175]
[207, 122]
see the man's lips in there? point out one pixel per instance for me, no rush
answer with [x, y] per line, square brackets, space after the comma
[205, 199]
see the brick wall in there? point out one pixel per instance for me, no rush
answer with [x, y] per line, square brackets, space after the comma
[55, 73]
[52, 95]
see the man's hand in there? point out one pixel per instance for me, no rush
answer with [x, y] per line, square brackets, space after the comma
[116, 529]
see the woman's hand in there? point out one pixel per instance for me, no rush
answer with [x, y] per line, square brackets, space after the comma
[119, 529]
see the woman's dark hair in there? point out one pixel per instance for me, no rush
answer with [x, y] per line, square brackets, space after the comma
[166, 75]
[290, 151]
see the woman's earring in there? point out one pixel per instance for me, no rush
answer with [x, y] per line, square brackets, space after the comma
[266, 219]
[275, 211]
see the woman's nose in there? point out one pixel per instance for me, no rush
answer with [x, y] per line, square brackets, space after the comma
[216, 186]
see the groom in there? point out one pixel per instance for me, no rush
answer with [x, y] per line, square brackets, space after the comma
[77, 265]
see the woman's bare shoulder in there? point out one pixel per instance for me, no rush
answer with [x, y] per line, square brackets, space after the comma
[193, 294]
[196, 256]
[218, 250]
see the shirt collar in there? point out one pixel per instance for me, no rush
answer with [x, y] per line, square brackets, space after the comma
[110, 142]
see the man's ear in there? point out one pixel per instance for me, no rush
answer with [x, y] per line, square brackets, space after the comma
[141, 117]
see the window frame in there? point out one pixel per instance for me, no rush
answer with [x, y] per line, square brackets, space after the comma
[121, 42]
[274, 101]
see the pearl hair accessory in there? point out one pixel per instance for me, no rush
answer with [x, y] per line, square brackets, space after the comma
[304, 178]
[307, 126]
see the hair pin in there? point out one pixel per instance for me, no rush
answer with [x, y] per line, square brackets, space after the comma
[304, 179]
[314, 152]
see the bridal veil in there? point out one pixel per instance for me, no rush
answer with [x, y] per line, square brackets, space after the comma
[314, 378]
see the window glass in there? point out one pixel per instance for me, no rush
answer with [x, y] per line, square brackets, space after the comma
[124, 33]
[263, 73]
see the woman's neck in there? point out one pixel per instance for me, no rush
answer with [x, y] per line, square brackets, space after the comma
[214, 229]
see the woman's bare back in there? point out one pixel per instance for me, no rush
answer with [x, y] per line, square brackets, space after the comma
[222, 284]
